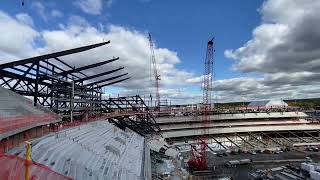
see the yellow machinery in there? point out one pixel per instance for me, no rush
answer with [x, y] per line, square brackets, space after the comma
[28, 160]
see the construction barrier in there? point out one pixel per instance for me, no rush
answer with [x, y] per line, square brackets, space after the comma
[16, 168]
[8, 124]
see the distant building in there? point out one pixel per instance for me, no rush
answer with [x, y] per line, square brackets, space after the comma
[269, 103]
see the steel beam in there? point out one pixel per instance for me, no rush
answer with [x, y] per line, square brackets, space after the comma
[104, 80]
[36, 86]
[245, 140]
[87, 67]
[99, 75]
[45, 80]
[24, 74]
[27, 72]
[121, 109]
[144, 121]
[12, 75]
[257, 139]
[298, 137]
[60, 69]
[64, 63]
[220, 143]
[20, 70]
[283, 137]
[52, 55]
[108, 84]
[316, 138]
[272, 139]
[231, 141]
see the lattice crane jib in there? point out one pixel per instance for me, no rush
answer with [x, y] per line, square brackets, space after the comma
[155, 73]
[207, 88]
[208, 77]
[199, 161]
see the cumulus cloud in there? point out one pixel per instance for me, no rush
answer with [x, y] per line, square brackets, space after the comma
[195, 80]
[25, 18]
[17, 38]
[93, 7]
[284, 51]
[250, 89]
[130, 45]
[282, 57]
[286, 41]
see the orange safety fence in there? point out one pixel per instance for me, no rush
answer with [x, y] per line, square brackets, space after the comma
[8, 124]
[16, 168]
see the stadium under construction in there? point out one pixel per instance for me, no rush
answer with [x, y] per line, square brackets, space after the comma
[56, 124]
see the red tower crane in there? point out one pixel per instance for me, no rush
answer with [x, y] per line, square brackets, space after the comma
[199, 161]
[155, 74]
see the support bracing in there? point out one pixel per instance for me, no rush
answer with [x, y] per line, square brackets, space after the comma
[273, 140]
[303, 140]
[218, 142]
[136, 115]
[55, 84]
[258, 140]
[245, 140]
[231, 141]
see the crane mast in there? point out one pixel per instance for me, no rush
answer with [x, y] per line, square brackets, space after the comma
[199, 161]
[155, 74]
[208, 77]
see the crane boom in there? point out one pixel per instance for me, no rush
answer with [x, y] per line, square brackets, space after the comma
[155, 73]
[199, 161]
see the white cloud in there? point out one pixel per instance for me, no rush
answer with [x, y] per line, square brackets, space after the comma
[284, 51]
[17, 38]
[40, 9]
[45, 13]
[249, 89]
[93, 7]
[25, 18]
[286, 41]
[56, 13]
[195, 80]
[130, 45]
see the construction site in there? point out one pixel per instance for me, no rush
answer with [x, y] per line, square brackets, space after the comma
[62, 120]
[56, 125]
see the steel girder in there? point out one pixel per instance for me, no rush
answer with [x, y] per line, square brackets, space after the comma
[52, 55]
[48, 79]
[134, 114]
[99, 75]
[114, 82]
[104, 80]
[218, 142]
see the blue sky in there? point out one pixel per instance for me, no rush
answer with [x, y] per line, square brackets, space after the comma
[181, 27]
[248, 36]
[186, 27]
